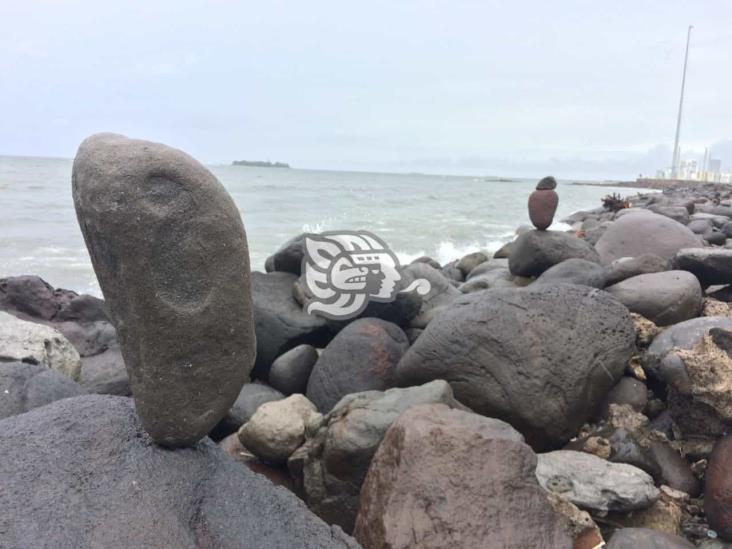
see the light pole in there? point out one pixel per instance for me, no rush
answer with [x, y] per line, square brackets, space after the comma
[676, 159]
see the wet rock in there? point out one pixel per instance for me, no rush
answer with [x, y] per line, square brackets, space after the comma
[168, 247]
[627, 267]
[277, 475]
[289, 257]
[574, 271]
[644, 233]
[290, 372]
[416, 496]
[535, 251]
[362, 357]
[646, 538]
[280, 321]
[594, 483]
[709, 265]
[718, 489]
[484, 345]
[277, 428]
[188, 498]
[333, 463]
[663, 298]
[26, 386]
[469, 262]
[32, 343]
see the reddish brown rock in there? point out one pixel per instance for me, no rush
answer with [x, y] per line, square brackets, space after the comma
[542, 206]
[718, 489]
[279, 476]
[448, 478]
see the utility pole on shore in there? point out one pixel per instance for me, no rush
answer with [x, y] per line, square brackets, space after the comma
[677, 152]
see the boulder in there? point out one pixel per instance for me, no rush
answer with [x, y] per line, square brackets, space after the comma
[168, 247]
[82, 472]
[280, 321]
[628, 391]
[594, 483]
[495, 278]
[709, 265]
[701, 226]
[677, 213]
[290, 371]
[26, 386]
[289, 257]
[277, 428]
[441, 292]
[504, 251]
[574, 271]
[685, 335]
[627, 267]
[447, 478]
[469, 262]
[646, 538]
[333, 462]
[715, 238]
[29, 295]
[535, 251]
[542, 207]
[362, 357]
[250, 398]
[428, 261]
[644, 233]
[718, 489]
[105, 373]
[22, 341]
[663, 298]
[506, 355]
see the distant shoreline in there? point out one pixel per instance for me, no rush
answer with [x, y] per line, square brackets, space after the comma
[646, 183]
[259, 164]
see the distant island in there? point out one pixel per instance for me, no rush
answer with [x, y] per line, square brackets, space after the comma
[259, 164]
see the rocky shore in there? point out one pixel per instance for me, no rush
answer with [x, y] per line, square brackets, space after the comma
[573, 389]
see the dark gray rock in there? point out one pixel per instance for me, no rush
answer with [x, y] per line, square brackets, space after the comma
[27, 386]
[427, 260]
[504, 251]
[627, 267]
[333, 462]
[709, 265]
[628, 391]
[488, 266]
[535, 251]
[471, 261]
[30, 295]
[644, 233]
[715, 238]
[677, 213]
[506, 353]
[251, 397]
[105, 373]
[494, 278]
[168, 247]
[362, 357]
[547, 183]
[663, 298]
[280, 321]
[82, 472]
[290, 371]
[289, 257]
[441, 292]
[574, 271]
[701, 226]
[646, 538]
[686, 334]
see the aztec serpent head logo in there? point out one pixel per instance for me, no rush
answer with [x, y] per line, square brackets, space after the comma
[344, 270]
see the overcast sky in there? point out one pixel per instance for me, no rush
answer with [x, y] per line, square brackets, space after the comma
[578, 89]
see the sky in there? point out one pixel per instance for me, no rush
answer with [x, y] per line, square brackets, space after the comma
[578, 89]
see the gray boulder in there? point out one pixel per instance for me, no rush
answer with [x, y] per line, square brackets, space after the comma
[27, 386]
[168, 247]
[574, 271]
[646, 538]
[627, 267]
[441, 293]
[469, 262]
[644, 233]
[290, 371]
[677, 213]
[488, 266]
[685, 335]
[81, 472]
[709, 265]
[593, 483]
[506, 354]
[250, 398]
[535, 251]
[280, 321]
[701, 226]
[332, 464]
[362, 357]
[289, 257]
[663, 298]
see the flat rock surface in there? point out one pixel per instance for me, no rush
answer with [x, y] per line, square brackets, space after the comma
[82, 472]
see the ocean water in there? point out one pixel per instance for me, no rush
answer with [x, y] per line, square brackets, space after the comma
[444, 217]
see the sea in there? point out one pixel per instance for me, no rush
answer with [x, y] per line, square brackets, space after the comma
[442, 216]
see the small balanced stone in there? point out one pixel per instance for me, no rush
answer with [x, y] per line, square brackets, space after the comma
[543, 203]
[168, 246]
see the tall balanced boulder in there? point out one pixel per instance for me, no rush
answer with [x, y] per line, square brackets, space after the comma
[168, 246]
[543, 203]
[82, 472]
[448, 478]
[644, 232]
[542, 358]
